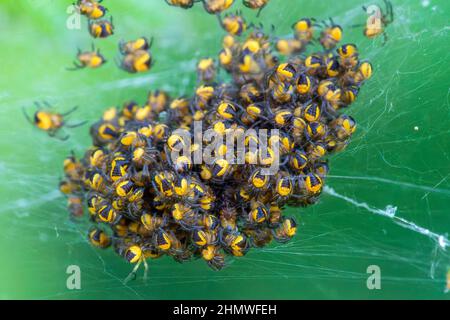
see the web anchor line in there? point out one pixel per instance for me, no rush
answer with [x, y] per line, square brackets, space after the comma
[390, 212]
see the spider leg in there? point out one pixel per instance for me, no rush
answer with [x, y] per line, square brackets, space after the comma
[358, 25]
[391, 12]
[130, 210]
[321, 24]
[145, 269]
[47, 104]
[286, 159]
[145, 171]
[76, 124]
[389, 16]
[220, 20]
[53, 135]
[132, 274]
[325, 107]
[251, 26]
[121, 46]
[63, 138]
[119, 63]
[70, 111]
[27, 116]
[156, 188]
[38, 105]
[150, 43]
[259, 11]
[385, 38]
[77, 67]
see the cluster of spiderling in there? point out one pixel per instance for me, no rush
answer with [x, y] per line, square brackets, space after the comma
[155, 205]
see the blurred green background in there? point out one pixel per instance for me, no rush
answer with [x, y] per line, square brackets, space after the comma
[399, 157]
